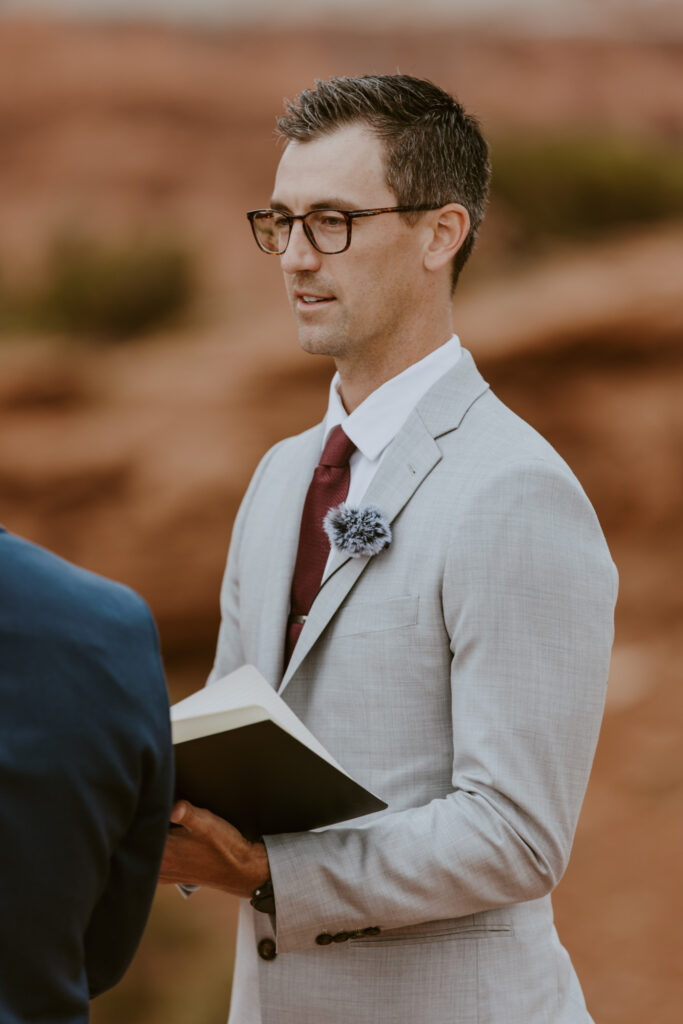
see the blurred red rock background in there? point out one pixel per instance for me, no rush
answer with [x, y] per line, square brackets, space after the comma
[147, 360]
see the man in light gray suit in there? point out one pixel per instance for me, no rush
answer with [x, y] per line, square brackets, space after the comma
[458, 672]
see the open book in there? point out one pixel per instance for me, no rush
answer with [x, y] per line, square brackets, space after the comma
[242, 753]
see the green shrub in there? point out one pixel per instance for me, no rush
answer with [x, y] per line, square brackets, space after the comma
[112, 292]
[581, 186]
[10, 313]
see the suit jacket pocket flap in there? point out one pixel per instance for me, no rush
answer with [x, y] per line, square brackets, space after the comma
[473, 926]
[366, 617]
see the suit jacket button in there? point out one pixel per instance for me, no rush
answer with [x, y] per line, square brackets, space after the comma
[266, 949]
[340, 937]
[324, 939]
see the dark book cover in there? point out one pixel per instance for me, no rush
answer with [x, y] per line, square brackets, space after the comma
[242, 753]
[264, 781]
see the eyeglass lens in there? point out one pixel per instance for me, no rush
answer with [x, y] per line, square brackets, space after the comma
[327, 229]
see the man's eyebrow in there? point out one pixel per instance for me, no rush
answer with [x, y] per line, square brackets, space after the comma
[333, 203]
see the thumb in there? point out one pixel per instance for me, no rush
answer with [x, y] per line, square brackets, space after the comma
[193, 819]
[181, 814]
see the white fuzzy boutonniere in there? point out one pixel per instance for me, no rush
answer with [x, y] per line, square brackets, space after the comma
[357, 531]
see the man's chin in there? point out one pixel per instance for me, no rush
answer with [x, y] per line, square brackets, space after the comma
[318, 343]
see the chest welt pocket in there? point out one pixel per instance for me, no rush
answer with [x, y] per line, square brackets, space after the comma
[366, 617]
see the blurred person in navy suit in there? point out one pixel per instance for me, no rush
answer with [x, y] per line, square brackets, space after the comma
[85, 782]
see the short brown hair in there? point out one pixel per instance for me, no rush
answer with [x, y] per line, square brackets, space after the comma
[435, 152]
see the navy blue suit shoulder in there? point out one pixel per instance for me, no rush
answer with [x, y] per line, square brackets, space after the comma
[85, 781]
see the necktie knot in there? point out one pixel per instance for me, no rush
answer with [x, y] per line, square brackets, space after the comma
[338, 450]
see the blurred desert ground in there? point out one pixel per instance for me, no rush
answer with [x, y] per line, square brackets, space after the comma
[147, 360]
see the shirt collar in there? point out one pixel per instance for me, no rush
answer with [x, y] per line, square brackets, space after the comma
[378, 419]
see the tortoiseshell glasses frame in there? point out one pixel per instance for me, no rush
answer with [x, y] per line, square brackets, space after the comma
[328, 231]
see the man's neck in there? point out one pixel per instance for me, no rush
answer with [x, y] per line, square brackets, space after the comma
[358, 379]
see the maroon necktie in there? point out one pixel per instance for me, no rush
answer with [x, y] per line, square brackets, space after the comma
[329, 487]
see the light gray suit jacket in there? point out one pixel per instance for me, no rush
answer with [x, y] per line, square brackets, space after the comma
[460, 674]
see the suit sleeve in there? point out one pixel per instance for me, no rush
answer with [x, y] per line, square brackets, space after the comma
[528, 596]
[229, 650]
[145, 774]
[85, 788]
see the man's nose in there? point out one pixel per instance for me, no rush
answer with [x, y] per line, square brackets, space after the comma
[300, 253]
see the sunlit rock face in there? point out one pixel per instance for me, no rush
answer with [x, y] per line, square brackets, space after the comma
[130, 455]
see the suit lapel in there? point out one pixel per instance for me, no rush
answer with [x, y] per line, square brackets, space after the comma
[407, 462]
[286, 495]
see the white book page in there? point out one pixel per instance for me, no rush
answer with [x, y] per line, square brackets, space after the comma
[239, 699]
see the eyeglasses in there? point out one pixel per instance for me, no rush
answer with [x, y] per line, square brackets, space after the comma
[328, 231]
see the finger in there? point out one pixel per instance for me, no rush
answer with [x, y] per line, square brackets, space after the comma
[178, 859]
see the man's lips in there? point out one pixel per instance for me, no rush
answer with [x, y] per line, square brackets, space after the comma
[308, 300]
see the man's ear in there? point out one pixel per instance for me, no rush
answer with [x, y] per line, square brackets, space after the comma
[450, 226]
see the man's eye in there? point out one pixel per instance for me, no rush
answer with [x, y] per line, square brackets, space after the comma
[331, 220]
